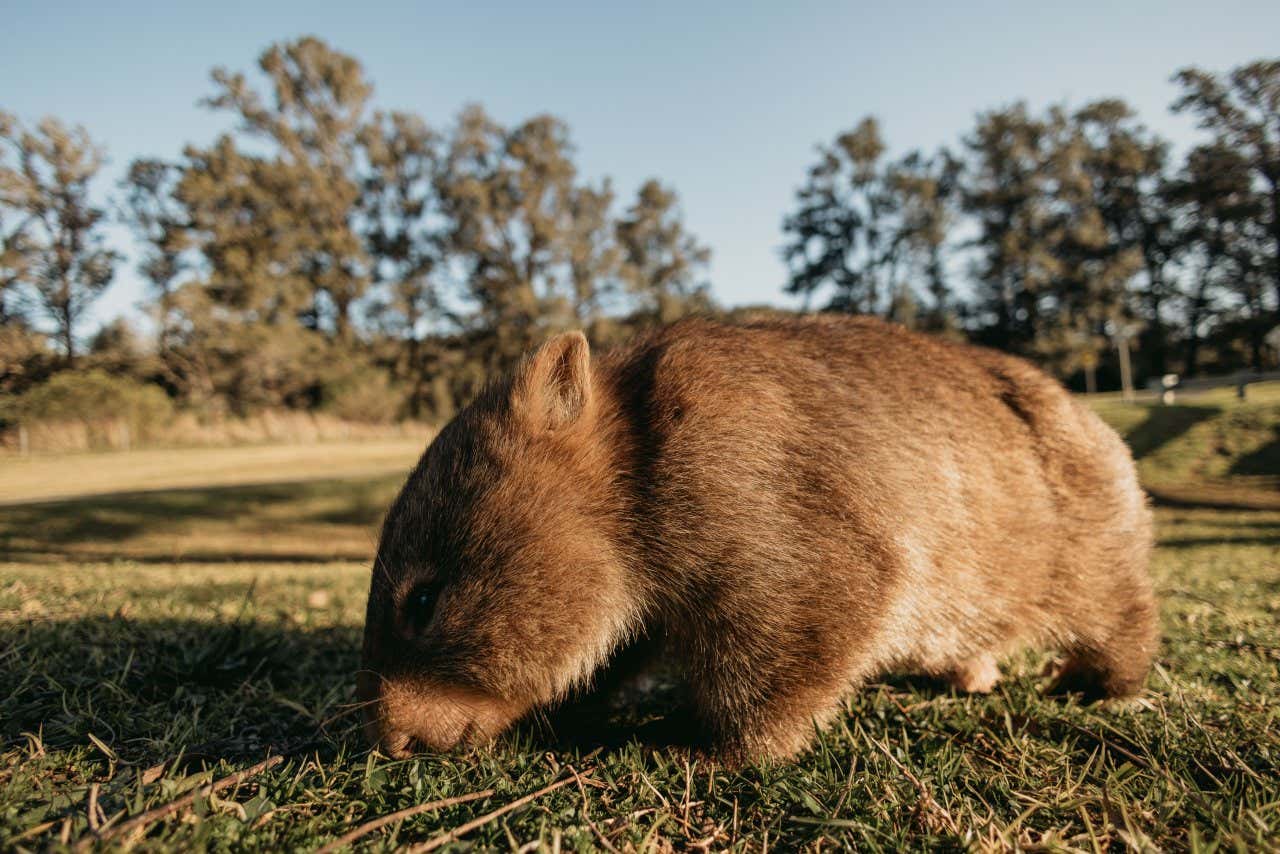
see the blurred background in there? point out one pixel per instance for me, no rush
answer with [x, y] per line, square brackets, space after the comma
[229, 223]
[253, 255]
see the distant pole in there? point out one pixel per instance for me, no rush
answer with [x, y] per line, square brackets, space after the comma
[1126, 370]
[1090, 361]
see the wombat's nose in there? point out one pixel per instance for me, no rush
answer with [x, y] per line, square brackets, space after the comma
[397, 745]
[407, 716]
[401, 729]
[400, 744]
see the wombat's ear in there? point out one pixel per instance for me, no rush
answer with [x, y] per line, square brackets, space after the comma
[553, 388]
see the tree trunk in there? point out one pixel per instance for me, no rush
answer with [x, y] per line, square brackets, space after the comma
[342, 319]
[68, 338]
[1154, 340]
[1126, 370]
[417, 397]
[1193, 324]
[1256, 326]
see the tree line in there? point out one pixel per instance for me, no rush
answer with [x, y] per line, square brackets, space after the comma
[1065, 235]
[325, 252]
[323, 247]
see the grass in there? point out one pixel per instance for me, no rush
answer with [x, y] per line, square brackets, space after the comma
[154, 642]
[307, 521]
[1208, 448]
[45, 478]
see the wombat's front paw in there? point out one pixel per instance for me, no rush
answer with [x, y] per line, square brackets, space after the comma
[976, 676]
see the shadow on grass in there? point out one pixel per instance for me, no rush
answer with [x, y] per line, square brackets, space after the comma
[154, 689]
[1265, 461]
[1194, 542]
[1163, 424]
[1219, 495]
[242, 520]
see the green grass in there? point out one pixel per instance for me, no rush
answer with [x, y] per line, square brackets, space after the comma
[1208, 448]
[153, 642]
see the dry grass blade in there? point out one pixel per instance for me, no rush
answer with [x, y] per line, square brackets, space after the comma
[462, 829]
[139, 822]
[586, 812]
[400, 815]
[926, 797]
[93, 808]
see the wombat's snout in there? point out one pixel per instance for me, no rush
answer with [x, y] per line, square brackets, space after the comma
[407, 716]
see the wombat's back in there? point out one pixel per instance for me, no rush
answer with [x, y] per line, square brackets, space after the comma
[912, 502]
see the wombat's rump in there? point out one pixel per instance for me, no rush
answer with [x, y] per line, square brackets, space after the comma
[790, 507]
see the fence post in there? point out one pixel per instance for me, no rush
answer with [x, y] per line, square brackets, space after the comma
[24, 441]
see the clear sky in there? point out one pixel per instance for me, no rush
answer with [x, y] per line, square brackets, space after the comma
[723, 101]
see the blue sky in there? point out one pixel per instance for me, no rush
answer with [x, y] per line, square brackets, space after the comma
[723, 101]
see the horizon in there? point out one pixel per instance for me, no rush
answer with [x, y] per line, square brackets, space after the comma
[730, 117]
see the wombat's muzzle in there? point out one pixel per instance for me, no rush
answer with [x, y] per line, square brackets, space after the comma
[404, 716]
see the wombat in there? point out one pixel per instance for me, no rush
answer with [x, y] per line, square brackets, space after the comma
[790, 507]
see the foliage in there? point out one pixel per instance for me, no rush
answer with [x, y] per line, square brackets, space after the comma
[1242, 111]
[1078, 235]
[319, 229]
[25, 357]
[52, 256]
[660, 262]
[364, 395]
[94, 399]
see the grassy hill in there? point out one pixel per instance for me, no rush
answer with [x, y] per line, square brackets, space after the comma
[1212, 448]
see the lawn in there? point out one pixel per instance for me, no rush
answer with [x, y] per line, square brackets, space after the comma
[157, 642]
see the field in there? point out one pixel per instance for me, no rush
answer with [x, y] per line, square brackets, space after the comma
[158, 638]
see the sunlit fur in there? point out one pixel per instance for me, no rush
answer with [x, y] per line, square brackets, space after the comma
[788, 507]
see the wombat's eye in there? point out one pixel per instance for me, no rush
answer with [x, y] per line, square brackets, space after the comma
[419, 607]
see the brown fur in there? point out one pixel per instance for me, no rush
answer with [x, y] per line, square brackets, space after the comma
[790, 507]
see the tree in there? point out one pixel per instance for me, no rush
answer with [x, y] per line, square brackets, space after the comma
[14, 254]
[1093, 171]
[161, 222]
[1215, 204]
[507, 197]
[1061, 200]
[1242, 111]
[661, 261]
[14, 222]
[838, 232]
[252, 249]
[404, 234]
[56, 256]
[1123, 165]
[1005, 193]
[594, 254]
[873, 231]
[311, 123]
[925, 189]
